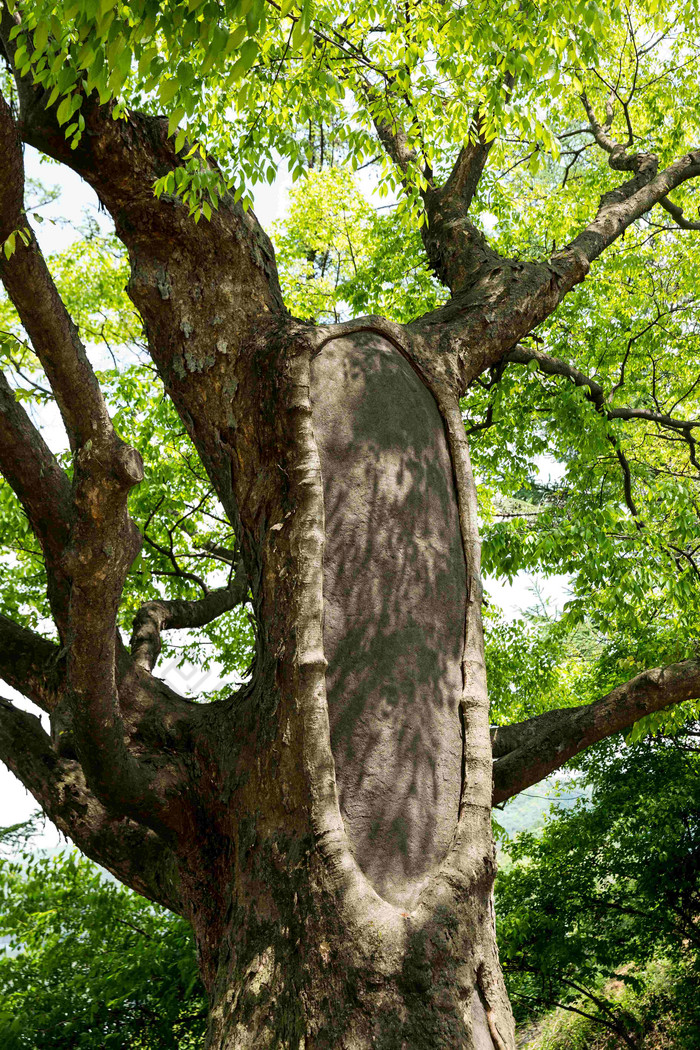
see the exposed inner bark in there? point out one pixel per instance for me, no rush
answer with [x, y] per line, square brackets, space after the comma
[394, 595]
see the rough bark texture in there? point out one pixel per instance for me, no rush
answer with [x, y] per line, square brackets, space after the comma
[326, 830]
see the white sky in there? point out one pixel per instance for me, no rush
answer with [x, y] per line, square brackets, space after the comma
[16, 804]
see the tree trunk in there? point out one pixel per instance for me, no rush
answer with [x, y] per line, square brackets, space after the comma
[356, 908]
[299, 968]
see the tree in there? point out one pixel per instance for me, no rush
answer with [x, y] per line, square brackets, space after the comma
[325, 829]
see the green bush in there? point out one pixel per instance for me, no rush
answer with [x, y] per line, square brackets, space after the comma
[86, 963]
[606, 892]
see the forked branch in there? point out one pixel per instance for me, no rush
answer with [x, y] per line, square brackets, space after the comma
[96, 552]
[643, 164]
[505, 299]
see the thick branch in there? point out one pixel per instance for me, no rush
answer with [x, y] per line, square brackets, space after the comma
[31, 469]
[30, 286]
[158, 616]
[103, 539]
[134, 854]
[42, 488]
[122, 159]
[507, 300]
[527, 752]
[458, 251]
[471, 161]
[456, 248]
[205, 291]
[621, 207]
[30, 664]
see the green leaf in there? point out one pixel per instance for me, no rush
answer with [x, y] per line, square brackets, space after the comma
[176, 116]
[64, 110]
[41, 35]
[9, 245]
[167, 91]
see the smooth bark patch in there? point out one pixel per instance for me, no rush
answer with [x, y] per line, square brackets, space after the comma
[394, 597]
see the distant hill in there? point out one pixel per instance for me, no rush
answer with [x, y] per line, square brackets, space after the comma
[529, 810]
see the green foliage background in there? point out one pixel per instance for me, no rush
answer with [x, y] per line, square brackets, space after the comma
[87, 963]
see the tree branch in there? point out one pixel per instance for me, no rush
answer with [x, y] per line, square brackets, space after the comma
[621, 207]
[526, 752]
[122, 159]
[456, 248]
[208, 295]
[30, 664]
[596, 395]
[395, 141]
[205, 291]
[464, 178]
[158, 616]
[103, 540]
[643, 164]
[43, 489]
[458, 251]
[30, 286]
[677, 212]
[507, 299]
[134, 854]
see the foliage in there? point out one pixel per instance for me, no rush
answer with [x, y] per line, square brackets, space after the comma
[257, 85]
[621, 521]
[241, 77]
[246, 86]
[86, 963]
[338, 256]
[608, 886]
[662, 1008]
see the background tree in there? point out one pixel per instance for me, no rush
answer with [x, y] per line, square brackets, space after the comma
[326, 828]
[88, 963]
[609, 888]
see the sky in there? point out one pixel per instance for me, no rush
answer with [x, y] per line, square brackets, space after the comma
[76, 199]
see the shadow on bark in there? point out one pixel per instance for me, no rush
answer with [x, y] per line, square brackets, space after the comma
[394, 588]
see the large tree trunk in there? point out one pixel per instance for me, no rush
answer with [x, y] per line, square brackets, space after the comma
[361, 911]
[300, 967]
